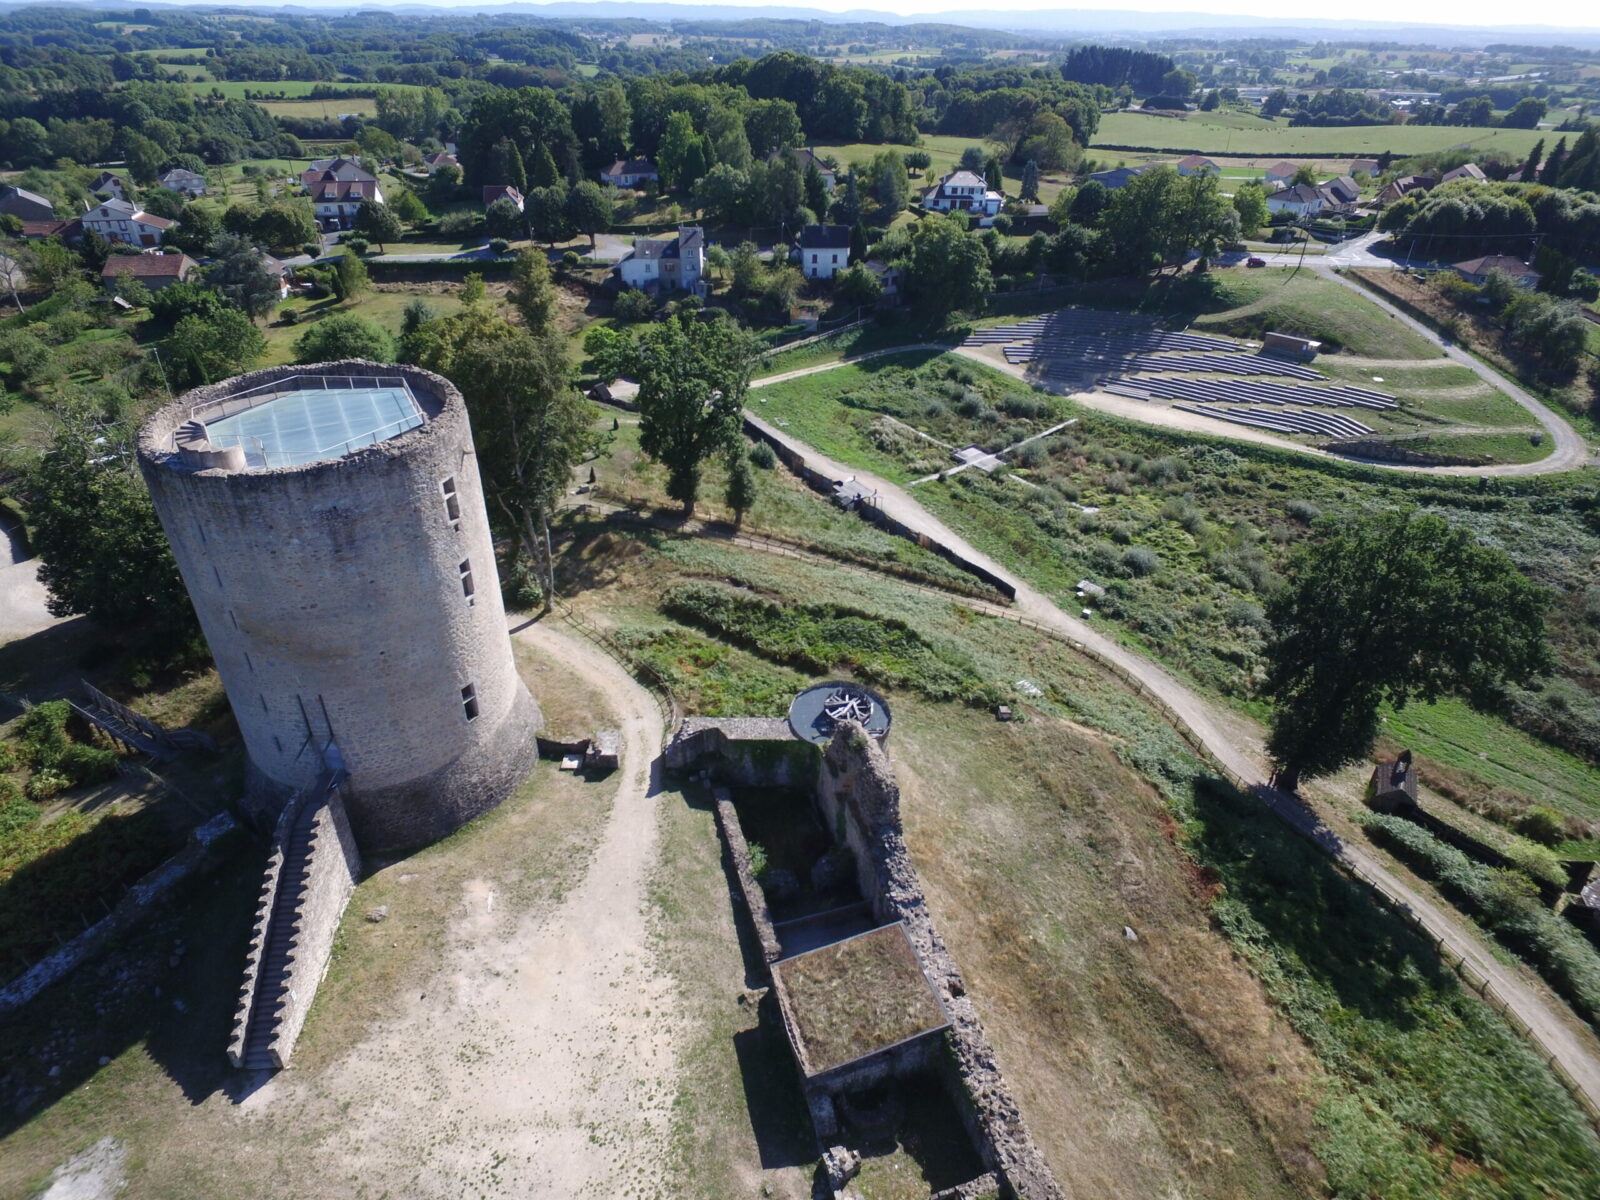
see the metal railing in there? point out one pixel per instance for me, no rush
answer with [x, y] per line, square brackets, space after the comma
[228, 406]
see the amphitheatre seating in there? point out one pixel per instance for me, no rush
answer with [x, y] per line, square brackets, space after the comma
[1068, 322]
[1283, 421]
[1245, 391]
[1059, 360]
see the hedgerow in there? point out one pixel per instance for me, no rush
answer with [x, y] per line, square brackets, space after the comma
[1504, 903]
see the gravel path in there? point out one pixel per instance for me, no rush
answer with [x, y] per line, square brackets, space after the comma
[541, 1062]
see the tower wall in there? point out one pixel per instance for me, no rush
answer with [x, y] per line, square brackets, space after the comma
[331, 596]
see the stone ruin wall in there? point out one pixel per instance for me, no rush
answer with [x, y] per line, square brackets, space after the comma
[858, 780]
[860, 798]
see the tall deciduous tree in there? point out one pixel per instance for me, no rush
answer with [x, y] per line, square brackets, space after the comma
[237, 273]
[949, 269]
[378, 223]
[1387, 609]
[529, 423]
[589, 208]
[102, 552]
[206, 347]
[531, 293]
[692, 381]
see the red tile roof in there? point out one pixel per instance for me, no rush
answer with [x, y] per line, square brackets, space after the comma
[148, 266]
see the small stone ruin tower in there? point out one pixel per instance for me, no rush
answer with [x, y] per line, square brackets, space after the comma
[329, 524]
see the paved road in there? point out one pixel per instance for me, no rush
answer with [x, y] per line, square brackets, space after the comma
[1242, 754]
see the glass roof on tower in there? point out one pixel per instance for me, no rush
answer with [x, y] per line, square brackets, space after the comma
[307, 418]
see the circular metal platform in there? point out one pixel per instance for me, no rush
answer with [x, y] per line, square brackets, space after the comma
[815, 711]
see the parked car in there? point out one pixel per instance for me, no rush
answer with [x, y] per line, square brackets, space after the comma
[1255, 260]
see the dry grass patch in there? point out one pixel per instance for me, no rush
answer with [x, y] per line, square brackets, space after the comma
[1148, 1067]
[857, 996]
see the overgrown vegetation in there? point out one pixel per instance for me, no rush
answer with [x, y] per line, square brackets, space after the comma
[1505, 903]
[823, 638]
[1432, 1094]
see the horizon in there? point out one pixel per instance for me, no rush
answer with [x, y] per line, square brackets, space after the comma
[1558, 18]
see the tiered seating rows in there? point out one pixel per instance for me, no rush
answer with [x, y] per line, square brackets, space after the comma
[1213, 364]
[1283, 420]
[1249, 391]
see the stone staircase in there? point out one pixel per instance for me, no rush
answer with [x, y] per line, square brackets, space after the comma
[310, 874]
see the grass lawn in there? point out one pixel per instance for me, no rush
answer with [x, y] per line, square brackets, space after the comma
[1304, 303]
[1244, 134]
[1452, 733]
[385, 308]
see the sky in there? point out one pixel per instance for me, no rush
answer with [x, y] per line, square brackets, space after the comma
[1558, 14]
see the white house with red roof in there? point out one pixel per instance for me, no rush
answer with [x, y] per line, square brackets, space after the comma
[120, 221]
[494, 191]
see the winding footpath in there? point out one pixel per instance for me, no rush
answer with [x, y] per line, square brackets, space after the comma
[1242, 754]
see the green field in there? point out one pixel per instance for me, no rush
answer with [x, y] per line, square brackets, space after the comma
[1242, 134]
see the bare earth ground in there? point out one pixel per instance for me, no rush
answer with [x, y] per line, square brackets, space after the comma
[542, 1065]
[506, 1032]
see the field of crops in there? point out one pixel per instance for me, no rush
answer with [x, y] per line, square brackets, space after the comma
[1241, 134]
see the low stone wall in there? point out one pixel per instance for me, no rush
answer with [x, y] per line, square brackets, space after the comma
[140, 900]
[755, 900]
[1378, 451]
[335, 866]
[820, 482]
[743, 751]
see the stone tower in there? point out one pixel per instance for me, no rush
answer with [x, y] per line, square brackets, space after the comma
[329, 524]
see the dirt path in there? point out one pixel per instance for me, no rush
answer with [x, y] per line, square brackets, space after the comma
[1571, 451]
[22, 596]
[1242, 754]
[541, 1062]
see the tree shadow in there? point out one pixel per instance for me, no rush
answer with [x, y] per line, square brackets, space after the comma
[1332, 925]
[170, 986]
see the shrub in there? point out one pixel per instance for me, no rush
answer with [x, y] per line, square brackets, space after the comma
[44, 784]
[458, 224]
[311, 250]
[357, 246]
[758, 860]
[1497, 901]
[1303, 511]
[288, 316]
[1537, 862]
[1540, 824]
[763, 456]
[87, 764]
[1141, 560]
[633, 305]
[499, 246]
[570, 260]
[16, 814]
[42, 733]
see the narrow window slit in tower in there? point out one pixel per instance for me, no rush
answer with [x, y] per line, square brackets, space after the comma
[466, 578]
[249, 662]
[233, 618]
[263, 699]
[452, 501]
[469, 701]
[217, 573]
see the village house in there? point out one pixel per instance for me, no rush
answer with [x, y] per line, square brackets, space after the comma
[439, 159]
[805, 159]
[1477, 270]
[666, 265]
[120, 221]
[1302, 200]
[1281, 174]
[824, 250]
[338, 187]
[1404, 186]
[494, 191]
[1343, 191]
[1196, 164]
[68, 231]
[1465, 171]
[280, 271]
[108, 184]
[25, 205]
[888, 276]
[630, 173]
[1367, 165]
[1118, 177]
[964, 191]
[189, 183]
[155, 271]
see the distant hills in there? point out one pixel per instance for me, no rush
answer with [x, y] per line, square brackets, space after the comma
[1059, 23]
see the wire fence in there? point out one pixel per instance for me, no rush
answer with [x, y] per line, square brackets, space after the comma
[654, 682]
